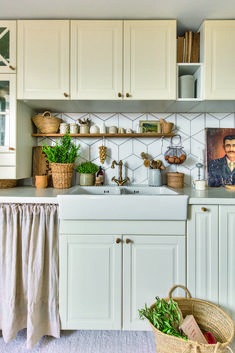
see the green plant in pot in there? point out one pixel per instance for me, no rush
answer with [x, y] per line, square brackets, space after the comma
[62, 157]
[87, 172]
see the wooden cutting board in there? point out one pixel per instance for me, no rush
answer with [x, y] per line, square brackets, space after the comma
[41, 165]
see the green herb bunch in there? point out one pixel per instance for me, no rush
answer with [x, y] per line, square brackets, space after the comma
[164, 316]
[87, 168]
[64, 152]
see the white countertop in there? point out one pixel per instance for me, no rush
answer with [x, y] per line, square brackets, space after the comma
[29, 194]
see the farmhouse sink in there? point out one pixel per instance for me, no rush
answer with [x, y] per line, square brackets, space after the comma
[123, 203]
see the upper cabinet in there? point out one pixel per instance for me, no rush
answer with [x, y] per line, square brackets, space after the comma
[109, 60]
[219, 53]
[96, 59]
[7, 46]
[150, 60]
[43, 59]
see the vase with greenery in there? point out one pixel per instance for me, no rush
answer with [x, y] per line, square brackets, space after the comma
[87, 172]
[62, 157]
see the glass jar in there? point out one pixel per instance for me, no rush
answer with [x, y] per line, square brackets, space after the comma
[175, 153]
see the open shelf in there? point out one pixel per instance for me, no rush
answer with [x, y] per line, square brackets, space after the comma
[149, 134]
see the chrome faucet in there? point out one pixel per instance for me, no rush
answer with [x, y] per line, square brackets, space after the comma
[119, 181]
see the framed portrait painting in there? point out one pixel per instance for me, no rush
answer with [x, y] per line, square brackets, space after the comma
[220, 156]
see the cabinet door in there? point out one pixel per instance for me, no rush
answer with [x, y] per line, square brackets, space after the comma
[7, 46]
[203, 250]
[151, 266]
[7, 126]
[43, 59]
[227, 259]
[150, 59]
[90, 282]
[219, 53]
[96, 59]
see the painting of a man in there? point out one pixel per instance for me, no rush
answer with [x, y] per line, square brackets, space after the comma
[221, 171]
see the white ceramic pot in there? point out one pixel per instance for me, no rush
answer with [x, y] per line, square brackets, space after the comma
[84, 129]
[87, 179]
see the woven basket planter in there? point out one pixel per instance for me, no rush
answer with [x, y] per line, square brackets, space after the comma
[46, 123]
[209, 317]
[62, 175]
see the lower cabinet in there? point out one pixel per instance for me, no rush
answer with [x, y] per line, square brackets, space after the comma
[210, 254]
[105, 279]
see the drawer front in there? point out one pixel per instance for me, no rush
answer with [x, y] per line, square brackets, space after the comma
[7, 159]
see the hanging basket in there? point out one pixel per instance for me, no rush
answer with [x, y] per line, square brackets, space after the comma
[46, 123]
[62, 175]
[208, 316]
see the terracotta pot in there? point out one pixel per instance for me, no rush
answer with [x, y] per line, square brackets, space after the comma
[41, 181]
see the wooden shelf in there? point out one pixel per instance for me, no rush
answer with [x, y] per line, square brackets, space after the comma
[150, 134]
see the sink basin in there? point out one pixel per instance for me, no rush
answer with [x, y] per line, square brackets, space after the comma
[123, 203]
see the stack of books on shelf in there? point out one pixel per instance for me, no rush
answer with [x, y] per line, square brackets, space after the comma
[188, 48]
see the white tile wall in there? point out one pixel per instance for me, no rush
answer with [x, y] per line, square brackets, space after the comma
[191, 127]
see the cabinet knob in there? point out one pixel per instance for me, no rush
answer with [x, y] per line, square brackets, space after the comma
[119, 94]
[128, 241]
[204, 209]
[66, 95]
[11, 67]
[127, 95]
[118, 240]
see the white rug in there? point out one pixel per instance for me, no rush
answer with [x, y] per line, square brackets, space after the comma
[87, 342]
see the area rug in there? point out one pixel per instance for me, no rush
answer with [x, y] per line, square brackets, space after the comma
[85, 342]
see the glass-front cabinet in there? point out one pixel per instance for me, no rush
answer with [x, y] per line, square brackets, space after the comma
[7, 112]
[7, 46]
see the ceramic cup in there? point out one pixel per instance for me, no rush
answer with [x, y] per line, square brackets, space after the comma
[121, 130]
[129, 131]
[73, 128]
[41, 181]
[112, 129]
[64, 127]
[200, 184]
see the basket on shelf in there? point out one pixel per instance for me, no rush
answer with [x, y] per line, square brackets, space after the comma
[208, 316]
[7, 183]
[62, 175]
[46, 123]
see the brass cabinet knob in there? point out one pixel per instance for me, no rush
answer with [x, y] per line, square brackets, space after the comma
[119, 94]
[128, 241]
[11, 67]
[118, 240]
[66, 95]
[127, 95]
[204, 209]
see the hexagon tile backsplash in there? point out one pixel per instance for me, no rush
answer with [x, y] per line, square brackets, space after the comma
[190, 126]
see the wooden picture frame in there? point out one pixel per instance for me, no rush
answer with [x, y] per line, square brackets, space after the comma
[150, 126]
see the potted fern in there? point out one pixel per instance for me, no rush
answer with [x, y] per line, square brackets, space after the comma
[62, 157]
[87, 172]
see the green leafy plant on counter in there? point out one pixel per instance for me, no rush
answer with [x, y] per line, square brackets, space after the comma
[164, 316]
[87, 168]
[64, 152]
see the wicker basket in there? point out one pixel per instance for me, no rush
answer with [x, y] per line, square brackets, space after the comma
[208, 316]
[46, 123]
[62, 175]
[175, 180]
[7, 183]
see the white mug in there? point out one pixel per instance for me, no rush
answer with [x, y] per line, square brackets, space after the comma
[200, 184]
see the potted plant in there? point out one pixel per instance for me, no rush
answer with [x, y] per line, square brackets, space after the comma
[87, 172]
[62, 157]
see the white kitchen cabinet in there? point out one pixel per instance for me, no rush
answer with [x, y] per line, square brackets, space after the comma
[227, 259]
[7, 46]
[150, 60]
[210, 253]
[151, 265]
[15, 132]
[43, 59]
[96, 59]
[105, 279]
[219, 53]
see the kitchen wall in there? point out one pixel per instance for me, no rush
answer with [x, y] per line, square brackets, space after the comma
[191, 128]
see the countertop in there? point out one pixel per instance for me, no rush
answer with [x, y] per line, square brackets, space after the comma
[29, 194]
